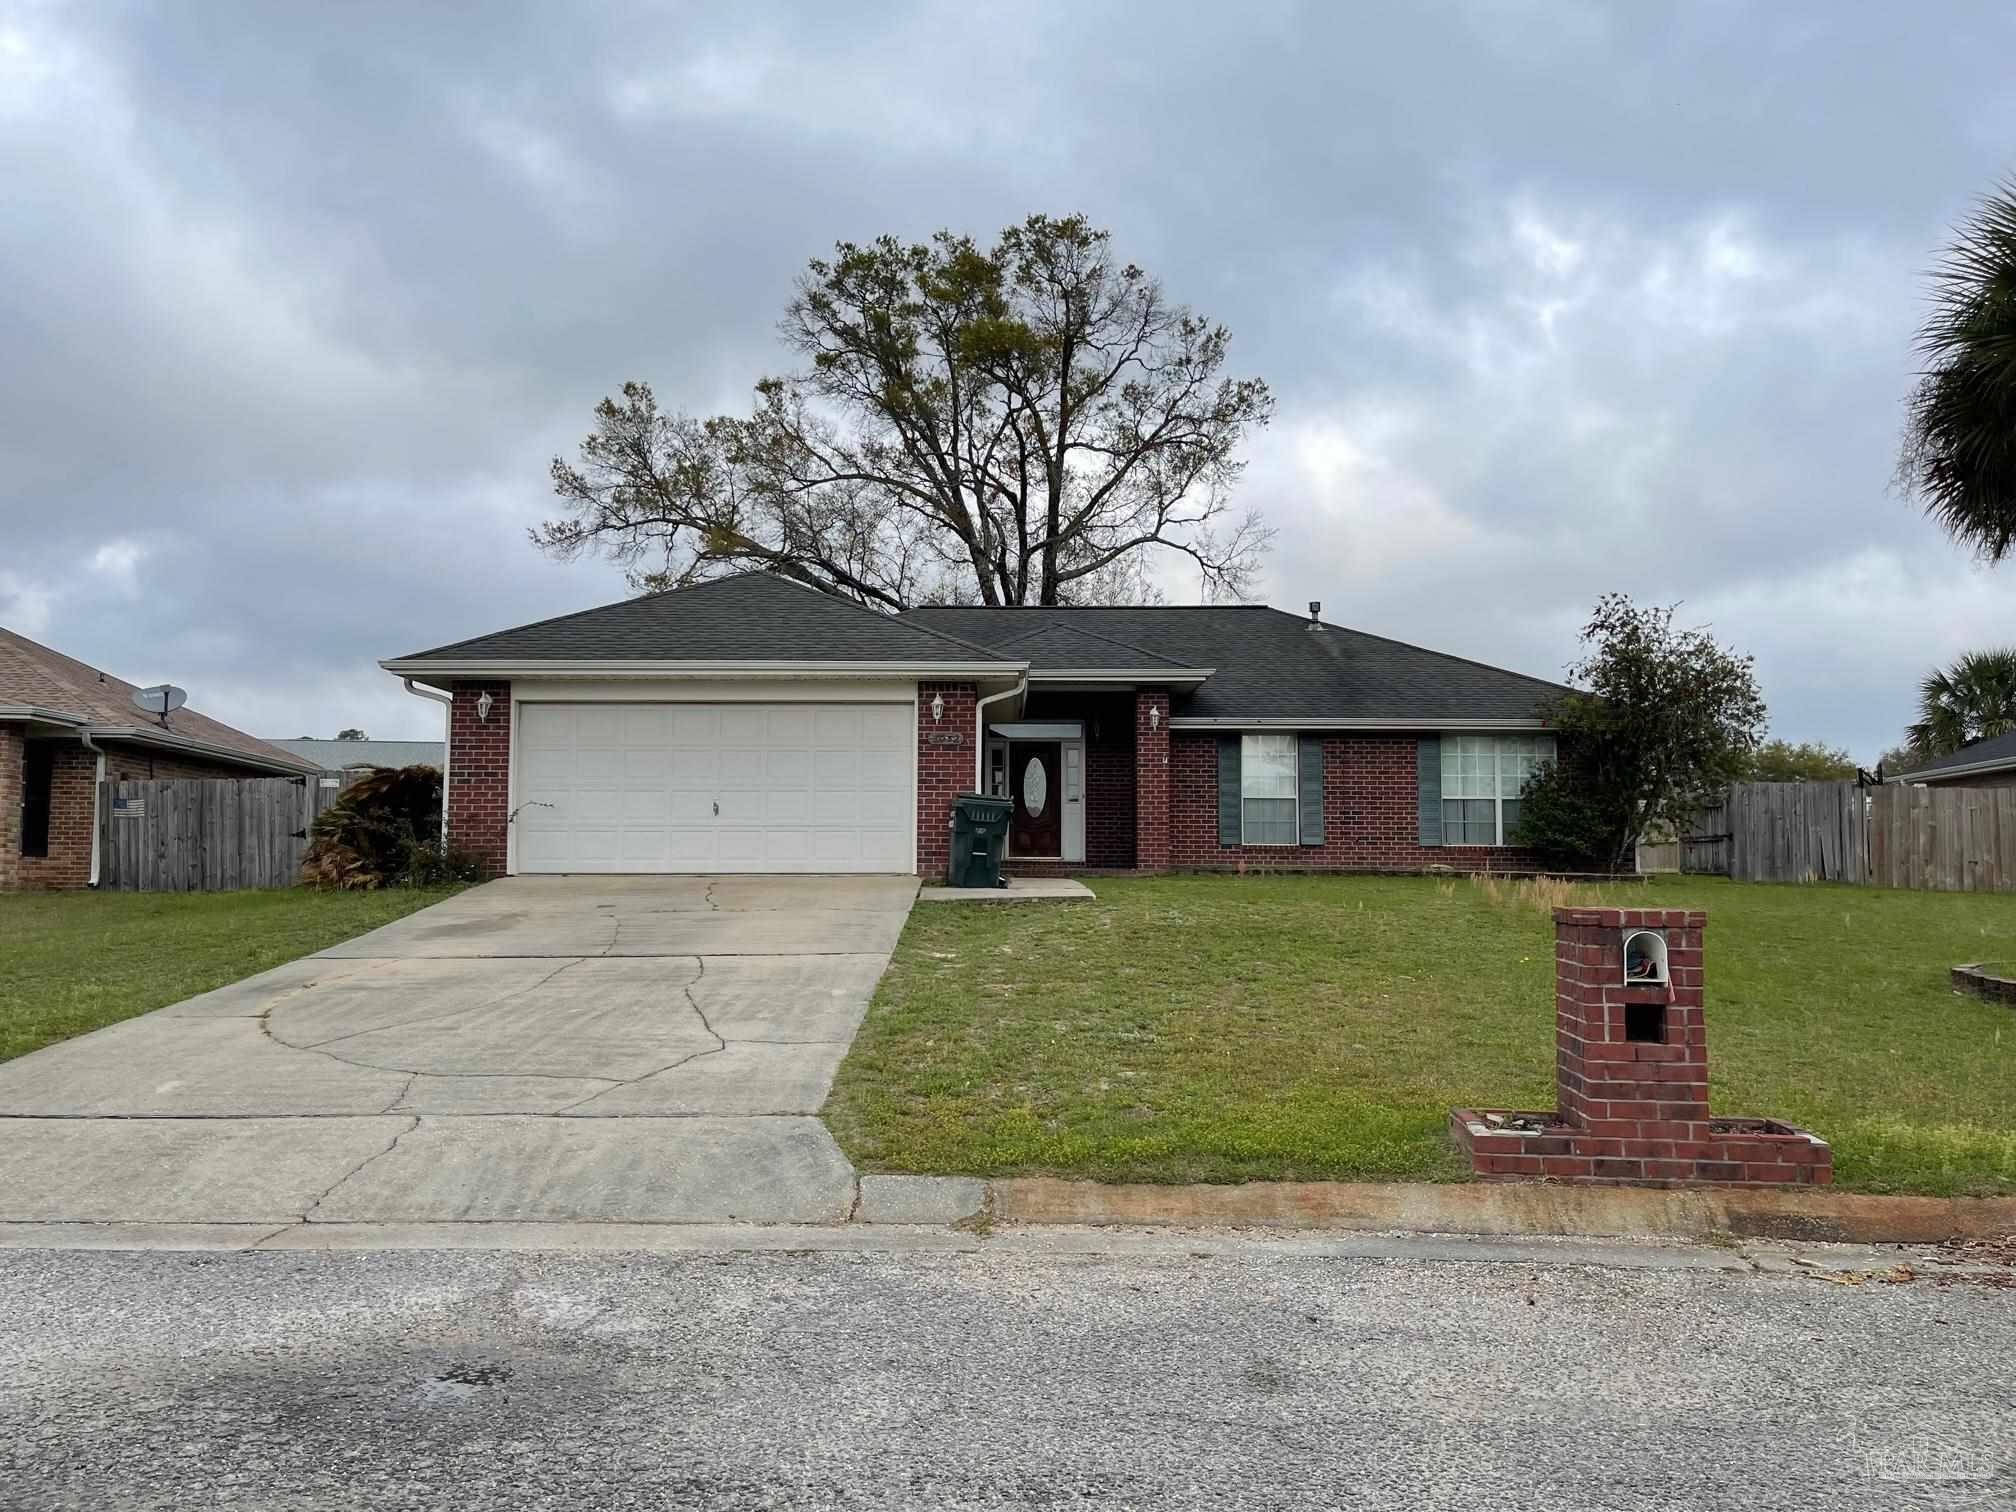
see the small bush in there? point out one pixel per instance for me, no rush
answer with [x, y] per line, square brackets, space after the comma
[383, 830]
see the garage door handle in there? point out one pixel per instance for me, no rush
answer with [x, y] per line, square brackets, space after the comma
[717, 808]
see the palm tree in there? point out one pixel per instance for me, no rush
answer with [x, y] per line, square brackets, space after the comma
[1958, 457]
[1968, 701]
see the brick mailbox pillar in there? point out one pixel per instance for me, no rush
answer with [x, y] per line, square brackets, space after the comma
[1631, 1071]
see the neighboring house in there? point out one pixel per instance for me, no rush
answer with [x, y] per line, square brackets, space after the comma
[342, 761]
[1985, 763]
[750, 724]
[64, 727]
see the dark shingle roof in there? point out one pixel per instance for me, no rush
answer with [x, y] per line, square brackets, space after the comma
[1073, 647]
[1996, 748]
[1272, 665]
[753, 617]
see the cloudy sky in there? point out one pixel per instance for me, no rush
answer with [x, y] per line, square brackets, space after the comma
[297, 302]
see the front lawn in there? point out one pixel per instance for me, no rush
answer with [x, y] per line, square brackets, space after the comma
[1226, 1029]
[76, 961]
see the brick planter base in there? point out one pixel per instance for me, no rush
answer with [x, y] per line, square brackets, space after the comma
[1723, 1151]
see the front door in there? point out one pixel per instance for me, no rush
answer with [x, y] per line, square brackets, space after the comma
[1037, 828]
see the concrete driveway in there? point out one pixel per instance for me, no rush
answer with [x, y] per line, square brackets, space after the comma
[536, 1049]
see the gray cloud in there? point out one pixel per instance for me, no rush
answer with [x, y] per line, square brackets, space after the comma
[297, 303]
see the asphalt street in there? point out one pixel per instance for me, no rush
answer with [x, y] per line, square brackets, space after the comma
[1231, 1377]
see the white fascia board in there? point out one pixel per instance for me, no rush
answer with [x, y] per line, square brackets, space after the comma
[1459, 726]
[168, 740]
[1128, 675]
[935, 671]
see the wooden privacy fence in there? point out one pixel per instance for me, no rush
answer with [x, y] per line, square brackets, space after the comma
[205, 834]
[1943, 839]
[1938, 839]
[1797, 832]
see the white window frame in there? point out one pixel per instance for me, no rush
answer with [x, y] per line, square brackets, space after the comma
[1246, 745]
[1454, 746]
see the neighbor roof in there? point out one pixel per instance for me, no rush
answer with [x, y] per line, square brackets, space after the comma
[40, 684]
[1996, 753]
[753, 617]
[336, 755]
[1271, 665]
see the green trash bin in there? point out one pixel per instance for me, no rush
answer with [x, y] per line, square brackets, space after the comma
[979, 837]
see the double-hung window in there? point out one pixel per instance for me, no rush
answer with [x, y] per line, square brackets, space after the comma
[1267, 775]
[1481, 779]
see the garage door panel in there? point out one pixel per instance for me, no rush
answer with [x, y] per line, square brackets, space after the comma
[715, 787]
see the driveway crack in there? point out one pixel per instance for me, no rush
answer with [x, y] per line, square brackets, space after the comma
[308, 1214]
[692, 1002]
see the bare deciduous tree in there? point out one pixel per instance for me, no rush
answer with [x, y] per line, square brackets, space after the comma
[1023, 424]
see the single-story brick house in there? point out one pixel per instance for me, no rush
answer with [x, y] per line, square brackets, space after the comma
[1990, 762]
[66, 727]
[751, 724]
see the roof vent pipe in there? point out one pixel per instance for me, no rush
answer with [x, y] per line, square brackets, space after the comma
[1315, 614]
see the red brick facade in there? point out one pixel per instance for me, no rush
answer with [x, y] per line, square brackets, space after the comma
[945, 757]
[1152, 780]
[73, 810]
[479, 774]
[1631, 1075]
[1371, 813]
[10, 809]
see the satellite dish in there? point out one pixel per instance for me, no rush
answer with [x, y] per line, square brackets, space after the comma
[161, 700]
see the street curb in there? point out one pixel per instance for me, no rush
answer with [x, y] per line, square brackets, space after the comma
[1511, 1208]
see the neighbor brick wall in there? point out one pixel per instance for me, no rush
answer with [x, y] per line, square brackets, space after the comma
[10, 808]
[1153, 808]
[479, 774]
[1371, 813]
[943, 771]
[73, 778]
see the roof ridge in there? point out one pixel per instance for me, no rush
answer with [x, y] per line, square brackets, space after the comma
[1387, 640]
[750, 574]
[1095, 635]
[964, 645]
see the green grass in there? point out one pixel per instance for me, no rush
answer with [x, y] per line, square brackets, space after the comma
[1226, 1029]
[70, 962]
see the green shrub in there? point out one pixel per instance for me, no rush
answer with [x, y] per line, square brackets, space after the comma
[384, 829]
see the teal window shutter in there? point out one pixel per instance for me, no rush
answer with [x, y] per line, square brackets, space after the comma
[1428, 774]
[1309, 787]
[1228, 790]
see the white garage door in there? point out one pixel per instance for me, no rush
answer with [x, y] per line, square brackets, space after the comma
[715, 787]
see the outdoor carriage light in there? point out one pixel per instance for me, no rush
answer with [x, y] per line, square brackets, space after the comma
[1154, 716]
[483, 703]
[937, 707]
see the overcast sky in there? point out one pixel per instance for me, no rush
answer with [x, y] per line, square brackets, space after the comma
[298, 302]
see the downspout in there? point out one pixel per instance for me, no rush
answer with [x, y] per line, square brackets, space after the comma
[97, 798]
[980, 730]
[447, 702]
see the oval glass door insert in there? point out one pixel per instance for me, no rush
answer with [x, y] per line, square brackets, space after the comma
[1035, 787]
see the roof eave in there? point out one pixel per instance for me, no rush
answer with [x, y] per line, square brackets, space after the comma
[36, 714]
[1390, 722]
[168, 740]
[1129, 675]
[1970, 769]
[579, 667]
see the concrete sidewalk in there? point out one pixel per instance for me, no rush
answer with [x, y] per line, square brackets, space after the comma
[537, 1050]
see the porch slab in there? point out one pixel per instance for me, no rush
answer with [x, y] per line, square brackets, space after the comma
[1018, 890]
